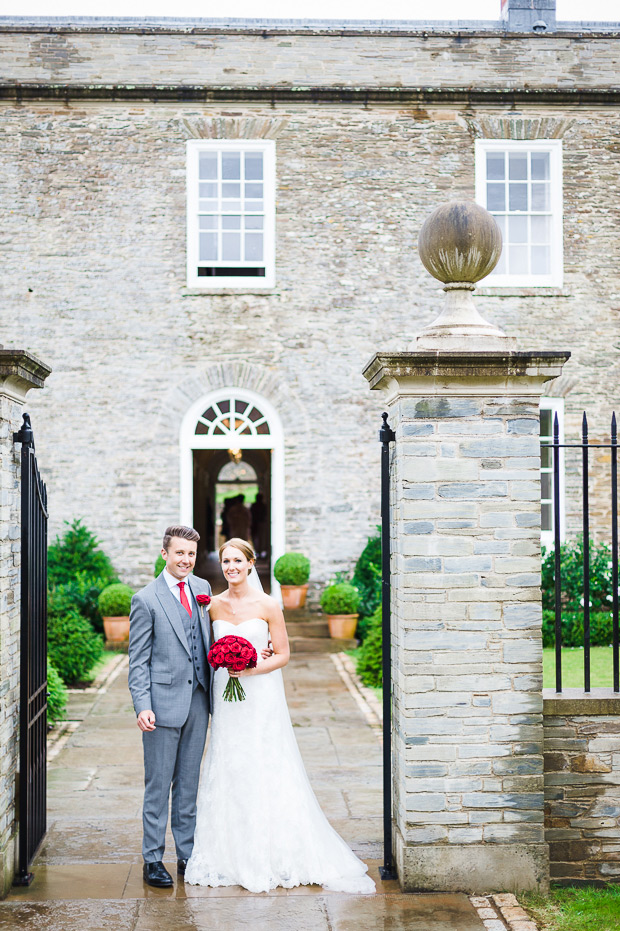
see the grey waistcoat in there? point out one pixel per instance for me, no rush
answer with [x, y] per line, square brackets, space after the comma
[193, 633]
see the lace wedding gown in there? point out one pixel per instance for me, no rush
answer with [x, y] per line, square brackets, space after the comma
[259, 824]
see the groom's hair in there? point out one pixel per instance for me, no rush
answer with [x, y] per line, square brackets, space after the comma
[185, 533]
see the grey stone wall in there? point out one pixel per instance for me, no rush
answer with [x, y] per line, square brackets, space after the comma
[229, 58]
[92, 195]
[10, 415]
[582, 786]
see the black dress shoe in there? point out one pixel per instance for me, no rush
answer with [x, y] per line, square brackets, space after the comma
[156, 874]
[181, 864]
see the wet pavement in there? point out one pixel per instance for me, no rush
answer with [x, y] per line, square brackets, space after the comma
[88, 873]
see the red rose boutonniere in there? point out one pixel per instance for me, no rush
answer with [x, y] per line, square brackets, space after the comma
[204, 601]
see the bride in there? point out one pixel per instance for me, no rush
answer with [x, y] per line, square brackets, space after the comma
[258, 823]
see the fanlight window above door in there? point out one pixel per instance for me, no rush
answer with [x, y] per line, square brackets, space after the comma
[232, 417]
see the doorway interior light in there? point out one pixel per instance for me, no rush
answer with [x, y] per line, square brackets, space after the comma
[235, 455]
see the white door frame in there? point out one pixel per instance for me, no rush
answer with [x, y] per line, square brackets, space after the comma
[274, 440]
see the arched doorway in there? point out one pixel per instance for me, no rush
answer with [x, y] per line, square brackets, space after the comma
[232, 445]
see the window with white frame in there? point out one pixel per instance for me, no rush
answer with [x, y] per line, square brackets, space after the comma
[550, 408]
[230, 213]
[520, 183]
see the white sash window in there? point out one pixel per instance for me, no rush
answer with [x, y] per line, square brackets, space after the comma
[549, 408]
[520, 183]
[230, 214]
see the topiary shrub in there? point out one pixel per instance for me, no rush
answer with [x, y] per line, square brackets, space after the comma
[292, 569]
[370, 655]
[160, 563]
[115, 600]
[341, 598]
[82, 593]
[75, 554]
[56, 695]
[367, 576]
[73, 646]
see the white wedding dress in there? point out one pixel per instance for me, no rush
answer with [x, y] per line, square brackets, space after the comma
[259, 824]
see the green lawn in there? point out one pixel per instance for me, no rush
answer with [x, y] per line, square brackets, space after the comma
[601, 668]
[568, 909]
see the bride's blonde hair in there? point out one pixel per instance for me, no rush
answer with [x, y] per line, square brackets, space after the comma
[239, 544]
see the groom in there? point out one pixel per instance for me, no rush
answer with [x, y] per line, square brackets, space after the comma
[169, 680]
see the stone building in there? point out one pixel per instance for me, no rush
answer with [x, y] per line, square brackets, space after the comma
[206, 214]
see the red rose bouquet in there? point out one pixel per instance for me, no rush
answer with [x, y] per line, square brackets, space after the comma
[232, 653]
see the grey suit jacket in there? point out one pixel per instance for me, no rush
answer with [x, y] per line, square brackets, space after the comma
[160, 669]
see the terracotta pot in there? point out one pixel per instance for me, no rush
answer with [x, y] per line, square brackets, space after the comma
[342, 626]
[116, 629]
[294, 596]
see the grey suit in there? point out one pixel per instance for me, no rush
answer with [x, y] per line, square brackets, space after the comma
[169, 674]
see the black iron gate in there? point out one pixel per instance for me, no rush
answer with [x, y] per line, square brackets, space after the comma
[386, 436]
[585, 446]
[33, 673]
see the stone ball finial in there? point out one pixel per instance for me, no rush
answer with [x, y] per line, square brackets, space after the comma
[460, 243]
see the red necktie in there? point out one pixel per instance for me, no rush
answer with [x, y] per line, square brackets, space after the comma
[184, 600]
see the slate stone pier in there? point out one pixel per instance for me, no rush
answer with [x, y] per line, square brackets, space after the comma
[466, 611]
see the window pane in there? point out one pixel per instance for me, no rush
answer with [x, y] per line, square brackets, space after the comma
[495, 166]
[207, 206]
[207, 166]
[545, 485]
[231, 190]
[540, 166]
[545, 422]
[231, 206]
[545, 517]
[207, 190]
[231, 165]
[254, 247]
[254, 190]
[254, 166]
[517, 260]
[541, 229]
[231, 223]
[231, 247]
[207, 223]
[253, 223]
[501, 222]
[517, 196]
[517, 229]
[517, 166]
[541, 260]
[546, 457]
[255, 205]
[496, 198]
[208, 247]
[540, 196]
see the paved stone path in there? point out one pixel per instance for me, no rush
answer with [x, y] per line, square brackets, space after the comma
[88, 874]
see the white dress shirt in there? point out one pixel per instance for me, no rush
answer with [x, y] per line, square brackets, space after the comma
[173, 585]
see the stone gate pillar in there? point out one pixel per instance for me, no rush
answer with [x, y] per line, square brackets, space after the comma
[466, 602]
[19, 372]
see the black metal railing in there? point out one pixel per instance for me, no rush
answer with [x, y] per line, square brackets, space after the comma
[33, 662]
[386, 436]
[585, 446]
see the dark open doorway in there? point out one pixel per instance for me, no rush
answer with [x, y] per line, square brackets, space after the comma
[221, 477]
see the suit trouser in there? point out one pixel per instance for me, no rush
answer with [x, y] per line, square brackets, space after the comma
[172, 757]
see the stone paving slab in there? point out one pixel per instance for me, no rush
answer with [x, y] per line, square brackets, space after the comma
[88, 873]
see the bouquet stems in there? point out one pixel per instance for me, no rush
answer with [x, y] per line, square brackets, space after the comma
[234, 690]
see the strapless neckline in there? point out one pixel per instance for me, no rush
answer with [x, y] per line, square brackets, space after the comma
[221, 620]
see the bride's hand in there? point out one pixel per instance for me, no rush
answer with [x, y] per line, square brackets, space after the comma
[244, 672]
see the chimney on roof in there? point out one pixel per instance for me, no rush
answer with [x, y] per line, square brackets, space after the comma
[529, 16]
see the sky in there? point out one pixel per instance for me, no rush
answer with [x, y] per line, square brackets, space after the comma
[285, 9]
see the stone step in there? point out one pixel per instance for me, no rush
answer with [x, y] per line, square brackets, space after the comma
[309, 628]
[320, 645]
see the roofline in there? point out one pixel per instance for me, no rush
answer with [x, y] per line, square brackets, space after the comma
[193, 26]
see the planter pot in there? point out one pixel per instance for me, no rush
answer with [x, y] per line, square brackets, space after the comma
[342, 626]
[294, 596]
[116, 629]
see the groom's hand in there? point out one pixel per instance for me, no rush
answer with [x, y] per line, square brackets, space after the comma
[146, 721]
[267, 652]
